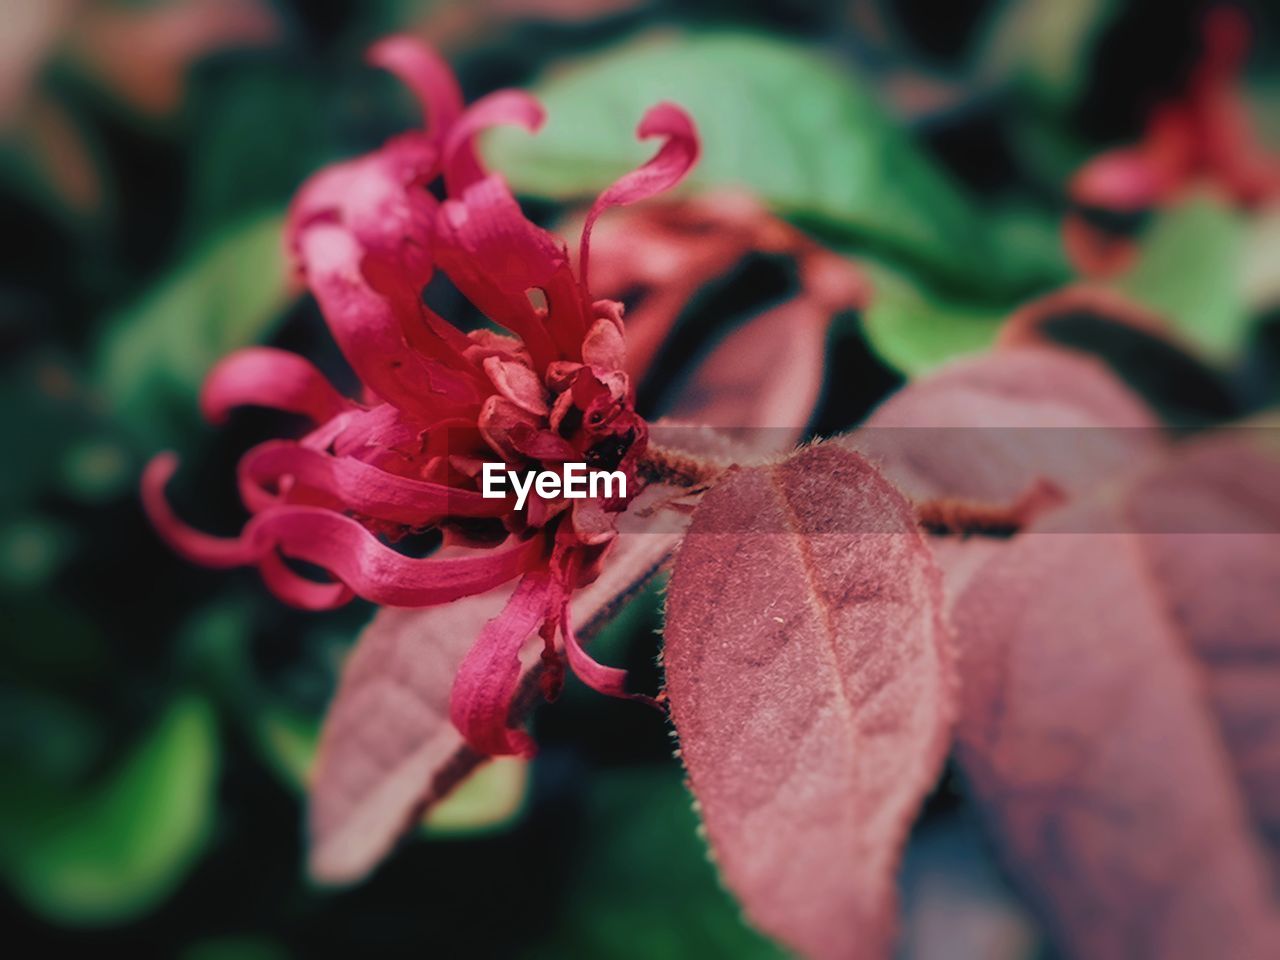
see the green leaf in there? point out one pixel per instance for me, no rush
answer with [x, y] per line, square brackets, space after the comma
[644, 886]
[115, 851]
[288, 740]
[490, 798]
[1261, 263]
[773, 118]
[258, 131]
[1190, 271]
[915, 331]
[1045, 44]
[155, 354]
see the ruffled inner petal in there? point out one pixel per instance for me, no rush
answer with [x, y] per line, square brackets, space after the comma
[517, 383]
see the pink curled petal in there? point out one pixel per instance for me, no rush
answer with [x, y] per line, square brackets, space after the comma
[198, 547]
[298, 591]
[320, 198]
[502, 108]
[382, 430]
[487, 224]
[388, 208]
[380, 197]
[668, 167]
[350, 553]
[1125, 180]
[494, 256]
[489, 677]
[517, 383]
[356, 486]
[611, 681]
[267, 377]
[424, 72]
[369, 333]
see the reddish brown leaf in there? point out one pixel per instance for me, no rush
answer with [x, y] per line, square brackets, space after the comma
[1034, 323]
[762, 376]
[1219, 572]
[388, 749]
[990, 428]
[808, 673]
[1140, 346]
[143, 55]
[1086, 737]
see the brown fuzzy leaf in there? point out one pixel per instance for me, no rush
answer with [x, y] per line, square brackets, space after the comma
[989, 429]
[1035, 323]
[764, 377]
[809, 678]
[1140, 346]
[1219, 573]
[388, 750]
[1086, 737]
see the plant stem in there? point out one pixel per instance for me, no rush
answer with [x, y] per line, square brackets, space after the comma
[678, 468]
[957, 517]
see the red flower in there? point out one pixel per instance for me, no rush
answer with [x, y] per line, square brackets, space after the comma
[1205, 135]
[437, 403]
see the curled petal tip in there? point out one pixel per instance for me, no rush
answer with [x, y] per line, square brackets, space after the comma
[212, 551]
[268, 377]
[502, 108]
[1121, 180]
[668, 119]
[673, 161]
[164, 463]
[424, 72]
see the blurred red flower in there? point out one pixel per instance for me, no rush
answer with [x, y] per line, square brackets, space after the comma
[1203, 135]
[437, 403]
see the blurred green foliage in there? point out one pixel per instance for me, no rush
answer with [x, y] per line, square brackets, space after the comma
[1191, 272]
[777, 120]
[112, 850]
[155, 353]
[648, 873]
